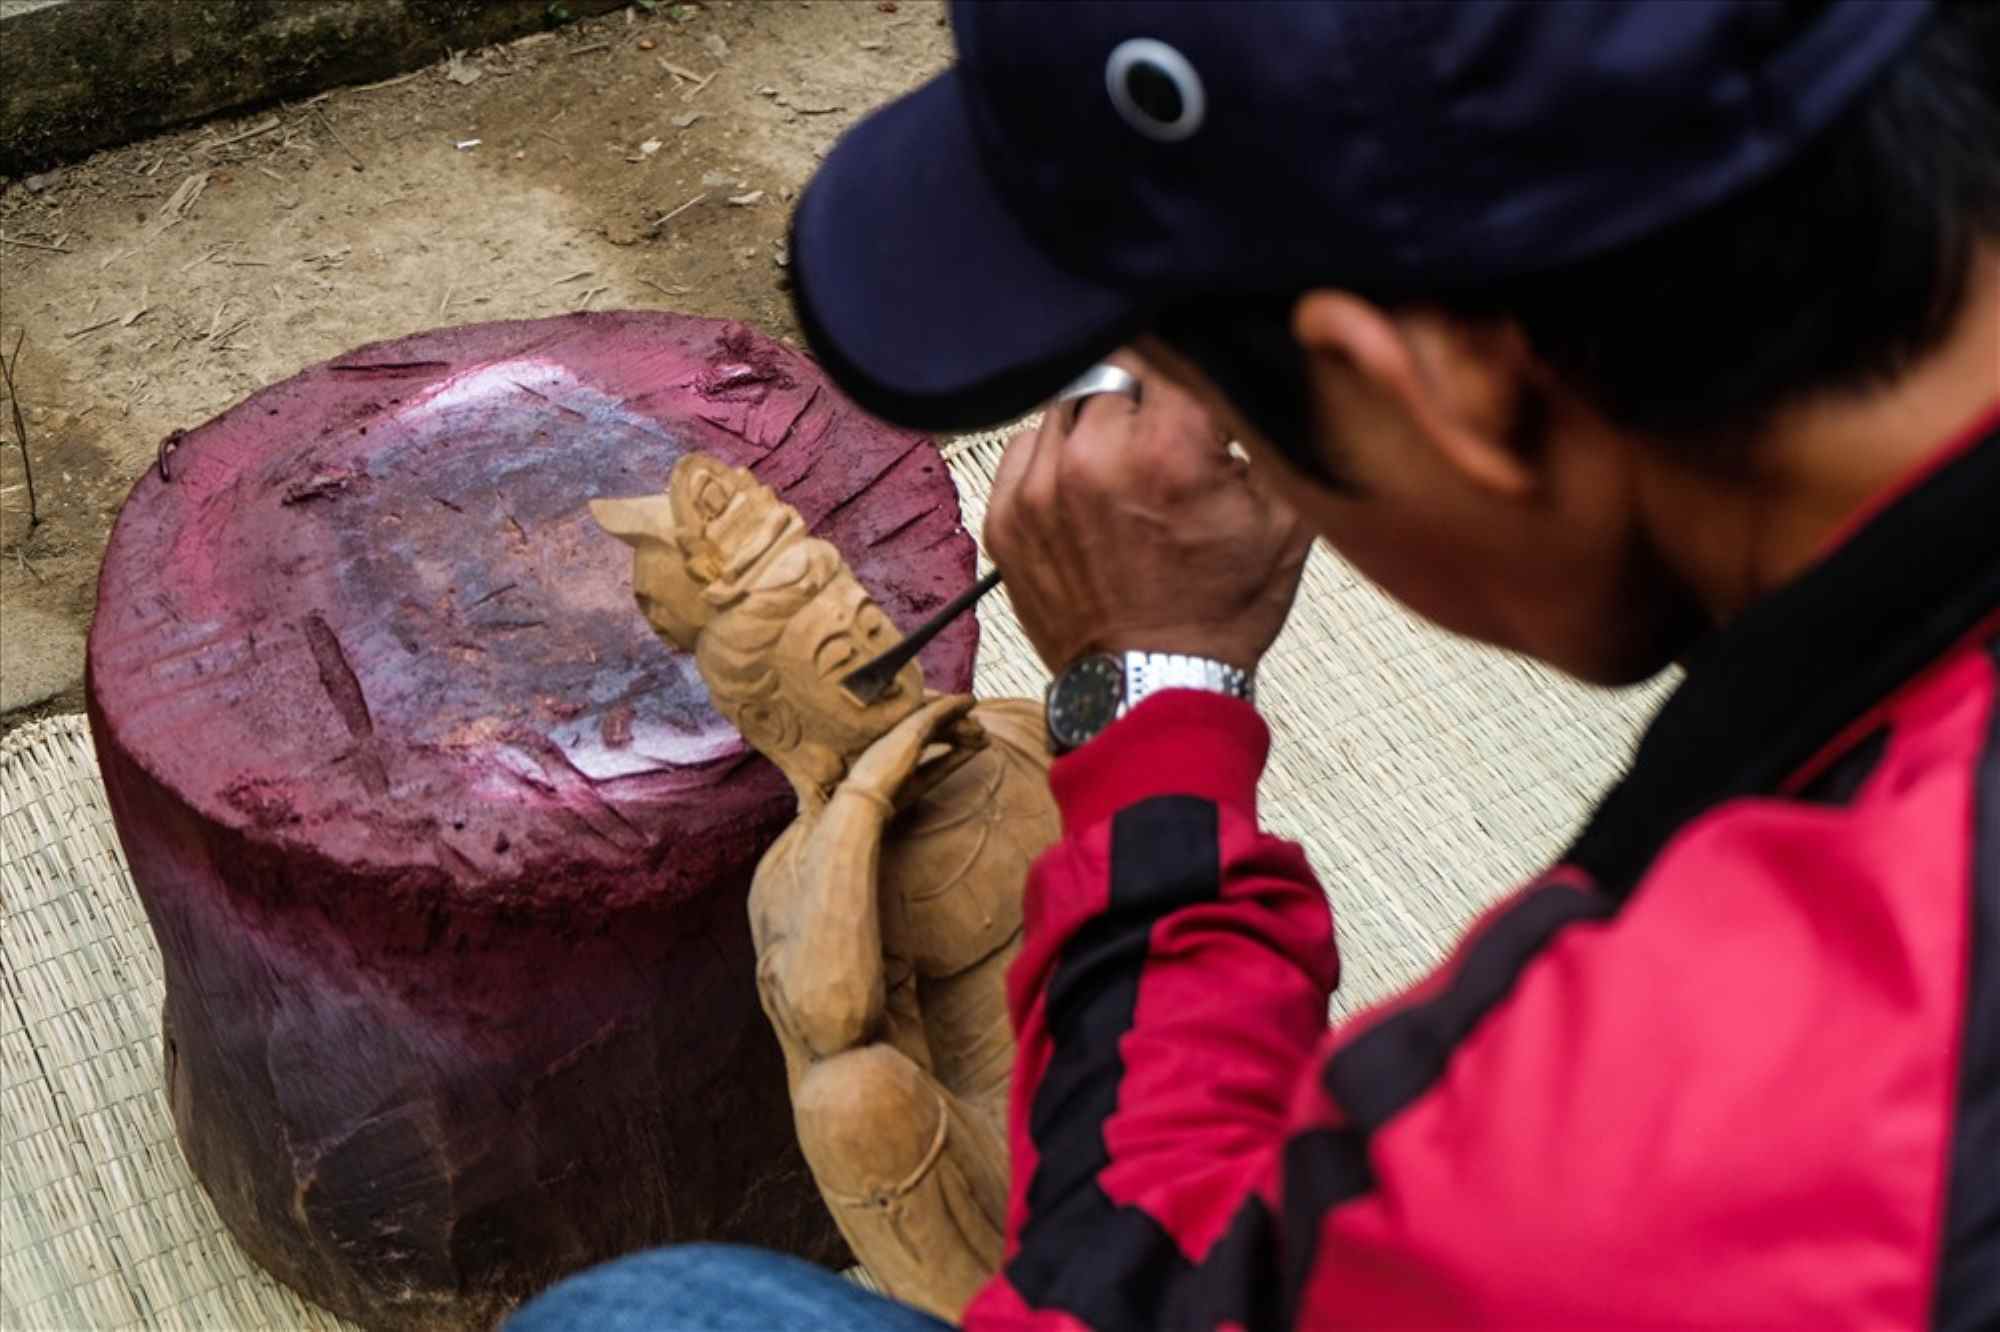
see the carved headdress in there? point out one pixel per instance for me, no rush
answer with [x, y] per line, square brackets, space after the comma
[723, 565]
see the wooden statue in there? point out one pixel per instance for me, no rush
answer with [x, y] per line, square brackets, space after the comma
[885, 917]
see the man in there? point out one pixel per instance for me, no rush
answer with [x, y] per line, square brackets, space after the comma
[1616, 334]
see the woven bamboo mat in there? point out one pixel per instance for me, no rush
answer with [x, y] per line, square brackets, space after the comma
[101, 1225]
[1423, 775]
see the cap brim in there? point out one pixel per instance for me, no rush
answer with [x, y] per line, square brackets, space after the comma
[920, 293]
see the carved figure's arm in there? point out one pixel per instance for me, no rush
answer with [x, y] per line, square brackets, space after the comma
[830, 968]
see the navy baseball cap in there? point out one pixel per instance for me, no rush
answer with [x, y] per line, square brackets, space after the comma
[1087, 168]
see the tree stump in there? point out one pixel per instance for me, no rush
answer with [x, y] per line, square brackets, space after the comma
[446, 853]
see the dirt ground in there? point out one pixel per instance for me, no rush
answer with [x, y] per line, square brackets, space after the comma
[643, 160]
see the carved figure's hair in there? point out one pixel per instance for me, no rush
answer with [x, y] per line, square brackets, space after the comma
[758, 568]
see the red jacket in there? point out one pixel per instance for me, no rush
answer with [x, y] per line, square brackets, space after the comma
[1734, 1061]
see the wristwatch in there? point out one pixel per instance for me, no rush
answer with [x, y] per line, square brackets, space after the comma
[1094, 691]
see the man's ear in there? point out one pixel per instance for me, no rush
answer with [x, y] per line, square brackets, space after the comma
[1459, 382]
[634, 521]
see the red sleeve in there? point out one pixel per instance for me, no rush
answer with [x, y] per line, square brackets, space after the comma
[1173, 981]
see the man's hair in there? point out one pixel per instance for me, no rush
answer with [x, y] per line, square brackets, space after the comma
[1838, 271]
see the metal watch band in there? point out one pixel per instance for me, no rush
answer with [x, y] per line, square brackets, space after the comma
[1147, 673]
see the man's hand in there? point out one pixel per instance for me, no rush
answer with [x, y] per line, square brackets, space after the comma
[1137, 530]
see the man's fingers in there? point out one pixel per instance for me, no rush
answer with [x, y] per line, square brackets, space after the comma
[1006, 486]
[1106, 447]
[1096, 405]
[1013, 462]
[1132, 363]
[1037, 489]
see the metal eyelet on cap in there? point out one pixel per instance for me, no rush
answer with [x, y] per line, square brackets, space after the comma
[1155, 89]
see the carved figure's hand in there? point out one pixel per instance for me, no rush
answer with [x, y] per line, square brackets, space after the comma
[883, 769]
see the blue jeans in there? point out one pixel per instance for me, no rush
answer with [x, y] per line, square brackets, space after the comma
[714, 1288]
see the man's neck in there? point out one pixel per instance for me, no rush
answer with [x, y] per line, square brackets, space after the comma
[1733, 537]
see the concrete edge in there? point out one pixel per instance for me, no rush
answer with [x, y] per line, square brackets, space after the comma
[80, 75]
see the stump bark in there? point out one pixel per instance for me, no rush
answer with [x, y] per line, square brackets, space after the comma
[445, 852]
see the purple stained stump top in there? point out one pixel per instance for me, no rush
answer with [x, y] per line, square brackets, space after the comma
[367, 610]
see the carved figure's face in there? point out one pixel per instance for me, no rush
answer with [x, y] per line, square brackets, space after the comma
[718, 557]
[840, 629]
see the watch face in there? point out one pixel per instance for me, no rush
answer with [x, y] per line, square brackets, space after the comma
[1084, 699]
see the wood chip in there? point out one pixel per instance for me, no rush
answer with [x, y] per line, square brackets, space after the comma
[250, 133]
[327, 121]
[32, 245]
[460, 72]
[594, 46]
[671, 214]
[400, 78]
[746, 200]
[686, 119]
[649, 147]
[580, 273]
[181, 200]
[678, 72]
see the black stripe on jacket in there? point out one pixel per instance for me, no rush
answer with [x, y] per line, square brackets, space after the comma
[1114, 1267]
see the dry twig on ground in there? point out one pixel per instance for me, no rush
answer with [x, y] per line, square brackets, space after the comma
[21, 429]
[675, 212]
